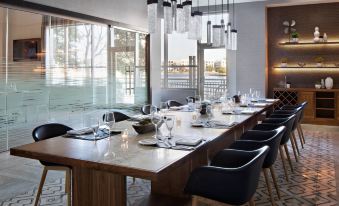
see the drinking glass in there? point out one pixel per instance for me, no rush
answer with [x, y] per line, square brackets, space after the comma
[163, 107]
[209, 112]
[109, 121]
[197, 98]
[169, 121]
[94, 124]
[190, 104]
[198, 107]
[156, 119]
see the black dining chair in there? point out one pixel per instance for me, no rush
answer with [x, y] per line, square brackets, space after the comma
[118, 116]
[254, 139]
[44, 132]
[190, 97]
[303, 105]
[173, 103]
[273, 124]
[232, 178]
[298, 112]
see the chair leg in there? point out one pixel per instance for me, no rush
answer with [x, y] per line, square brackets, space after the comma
[252, 202]
[194, 201]
[41, 185]
[301, 132]
[269, 189]
[300, 138]
[293, 148]
[295, 142]
[283, 161]
[288, 157]
[275, 182]
[68, 187]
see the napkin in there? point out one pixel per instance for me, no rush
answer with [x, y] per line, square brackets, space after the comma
[82, 131]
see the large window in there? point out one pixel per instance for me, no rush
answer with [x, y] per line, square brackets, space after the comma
[55, 69]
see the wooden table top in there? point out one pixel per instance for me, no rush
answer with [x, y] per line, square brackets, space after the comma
[125, 157]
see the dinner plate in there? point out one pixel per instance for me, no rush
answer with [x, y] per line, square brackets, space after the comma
[148, 142]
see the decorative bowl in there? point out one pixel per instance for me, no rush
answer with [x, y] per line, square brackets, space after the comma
[317, 86]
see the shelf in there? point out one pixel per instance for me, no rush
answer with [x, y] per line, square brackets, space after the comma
[310, 69]
[330, 109]
[325, 98]
[309, 43]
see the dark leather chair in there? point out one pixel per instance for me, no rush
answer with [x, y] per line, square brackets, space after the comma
[190, 97]
[173, 103]
[232, 177]
[44, 132]
[285, 113]
[274, 123]
[118, 116]
[254, 139]
[299, 128]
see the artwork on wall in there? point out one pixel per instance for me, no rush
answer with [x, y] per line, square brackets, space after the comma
[26, 49]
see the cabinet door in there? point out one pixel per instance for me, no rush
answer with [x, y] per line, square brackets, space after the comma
[309, 97]
[337, 106]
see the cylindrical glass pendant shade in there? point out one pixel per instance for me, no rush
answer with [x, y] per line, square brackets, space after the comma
[152, 12]
[209, 32]
[168, 18]
[216, 35]
[174, 14]
[222, 33]
[234, 36]
[187, 9]
[229, 37]
[198, 25]
[180, 19]
[226, 35]
[191, 28]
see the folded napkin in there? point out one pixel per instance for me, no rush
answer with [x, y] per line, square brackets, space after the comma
[248, 112]
[260, 104]
[220, 124]
[82, 131]
[175, 108]
[189, 141]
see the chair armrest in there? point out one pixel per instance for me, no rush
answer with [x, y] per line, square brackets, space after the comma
[232, 159]
[265, 127]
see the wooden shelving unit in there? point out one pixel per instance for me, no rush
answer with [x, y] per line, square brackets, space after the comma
[325, 105]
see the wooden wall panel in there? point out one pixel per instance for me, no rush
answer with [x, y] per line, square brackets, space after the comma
[326, 16]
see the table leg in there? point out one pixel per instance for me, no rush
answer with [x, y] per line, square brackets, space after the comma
[93, 187]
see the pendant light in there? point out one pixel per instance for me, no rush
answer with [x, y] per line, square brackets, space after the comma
[234, 32]
[180, 19]
[222, 24]
[191, 28]
[216, 30]
[209, 25]
[168, 18]
[198, 24]
[174, 14]
[229, 28]
[188, 12]
[152, 11]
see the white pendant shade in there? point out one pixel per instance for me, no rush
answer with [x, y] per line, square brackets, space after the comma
[234, 36]
[187, 9]
[180, 19]
[174, 14]
[229, 36]
[152, 10]
[198, 25]
[209, 32]
[191, 28]
[216, 36]
[222, 33]
[168, 18]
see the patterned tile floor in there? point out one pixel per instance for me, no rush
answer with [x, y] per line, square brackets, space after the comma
[313, 183]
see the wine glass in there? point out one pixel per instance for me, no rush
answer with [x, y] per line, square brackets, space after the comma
[156, 119]
[109, 121]
[197, 98]
[169, 121]
[190, 104]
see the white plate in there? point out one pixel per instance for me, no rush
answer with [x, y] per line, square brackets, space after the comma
[148, 142]
[197, 124]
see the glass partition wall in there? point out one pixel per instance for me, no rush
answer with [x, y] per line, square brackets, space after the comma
[54, 69]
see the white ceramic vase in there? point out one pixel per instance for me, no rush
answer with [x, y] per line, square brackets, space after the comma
[329, 83]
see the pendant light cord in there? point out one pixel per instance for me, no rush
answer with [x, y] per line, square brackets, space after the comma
[222, 9]
[208, 9]
[233, 15]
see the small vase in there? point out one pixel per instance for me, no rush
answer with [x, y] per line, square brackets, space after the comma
[329, 83]
[319, 64]
[283, 64]
[295, 40]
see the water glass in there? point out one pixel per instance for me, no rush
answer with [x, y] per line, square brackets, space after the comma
[109, 120]
[156, 119]
[169, 121]
[197, 98]
[190, 105]
[94, 124]
[163, 107]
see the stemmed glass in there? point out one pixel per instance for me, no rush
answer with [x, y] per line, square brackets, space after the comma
[109, 121]
[163, 107]
[156, 119]
[94, 124]
[169, 121]
[197, 98]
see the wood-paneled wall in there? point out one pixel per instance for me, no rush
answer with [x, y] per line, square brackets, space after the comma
[326, 17]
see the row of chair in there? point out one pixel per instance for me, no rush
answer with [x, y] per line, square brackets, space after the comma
[233, 175]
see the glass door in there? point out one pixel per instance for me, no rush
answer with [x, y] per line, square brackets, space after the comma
[213, 72]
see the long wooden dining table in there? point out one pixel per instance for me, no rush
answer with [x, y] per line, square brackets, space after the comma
[100, 168]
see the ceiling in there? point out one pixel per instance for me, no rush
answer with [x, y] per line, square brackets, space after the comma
[269, 2]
